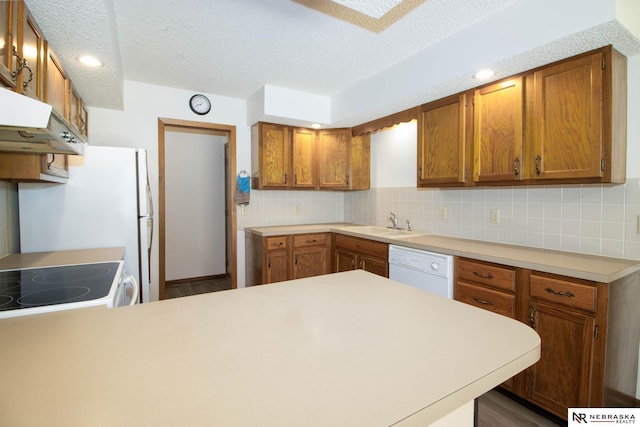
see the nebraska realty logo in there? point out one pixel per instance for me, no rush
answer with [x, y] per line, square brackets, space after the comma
[600, 416]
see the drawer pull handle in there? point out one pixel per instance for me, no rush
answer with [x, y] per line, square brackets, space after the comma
[310, 241]
[532, 316]
[482, 301]
[483, 275]
[276, 244]
[564, 294]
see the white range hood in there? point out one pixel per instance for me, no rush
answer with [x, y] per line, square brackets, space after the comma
[30, 126]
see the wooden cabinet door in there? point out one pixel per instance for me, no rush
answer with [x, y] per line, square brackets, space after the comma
[374, 265]
[275, 145]
[498, 131]
[562, 377]
[303, 158]
[345, 261]
[333, 158]
[310, 261]
[442, 142]
[55, 92]
[567, 120]
[30, 48]
[8, 41]
[277, 267]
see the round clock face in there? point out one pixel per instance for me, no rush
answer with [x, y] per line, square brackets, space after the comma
[200, 104]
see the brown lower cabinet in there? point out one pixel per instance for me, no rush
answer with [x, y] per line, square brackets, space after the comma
[589, 332]
[278, 258]
[26, 167]
[354, 253]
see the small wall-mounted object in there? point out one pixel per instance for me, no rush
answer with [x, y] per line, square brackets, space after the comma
[200, 104]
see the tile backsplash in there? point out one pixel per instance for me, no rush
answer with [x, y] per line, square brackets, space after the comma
[278, 207]
[593, 219]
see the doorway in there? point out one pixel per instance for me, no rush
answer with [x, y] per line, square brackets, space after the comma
[229, 132]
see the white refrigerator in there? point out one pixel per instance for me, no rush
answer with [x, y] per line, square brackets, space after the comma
[105, 203]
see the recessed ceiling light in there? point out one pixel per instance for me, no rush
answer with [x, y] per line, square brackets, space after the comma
[91, 61]
[375, 9]
[483, 74]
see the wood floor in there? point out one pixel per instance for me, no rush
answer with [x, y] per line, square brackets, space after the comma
[494, 408]
[497, 410]
[201, 286]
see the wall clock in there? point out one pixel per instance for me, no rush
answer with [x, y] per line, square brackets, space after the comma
[200, 104]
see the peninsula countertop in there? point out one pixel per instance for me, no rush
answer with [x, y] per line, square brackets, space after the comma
[348, 348]
[581, 266]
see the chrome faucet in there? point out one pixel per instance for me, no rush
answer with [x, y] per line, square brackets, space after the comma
[393, 219]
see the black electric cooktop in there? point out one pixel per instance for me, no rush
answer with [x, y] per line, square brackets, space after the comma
[35, 287]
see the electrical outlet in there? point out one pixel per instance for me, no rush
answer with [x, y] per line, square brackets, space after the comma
[495, 216]
[443, 214]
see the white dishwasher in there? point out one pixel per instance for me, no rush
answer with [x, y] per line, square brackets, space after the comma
[425, 270]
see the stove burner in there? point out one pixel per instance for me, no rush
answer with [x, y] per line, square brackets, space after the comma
[36, 287]
[4, 300]
[54, 296]
[79, 274]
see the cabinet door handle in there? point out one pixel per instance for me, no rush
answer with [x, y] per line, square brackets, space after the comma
[361, 264]
[276, 244]
[269, 261]
[353, 264]
[284, 178]
[295, 179]
[481, 301]
[567, 294]
[483, 275]
[347, 179]
[22, 64]
[516, 167]
[538, 163]
[532, 316]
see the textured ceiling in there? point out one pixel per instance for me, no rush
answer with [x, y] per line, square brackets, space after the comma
[235, 47]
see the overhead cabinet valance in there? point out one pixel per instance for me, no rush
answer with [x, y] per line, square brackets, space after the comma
[562, 123]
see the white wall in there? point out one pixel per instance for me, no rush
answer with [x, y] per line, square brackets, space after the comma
[195, 204]
[137, 126]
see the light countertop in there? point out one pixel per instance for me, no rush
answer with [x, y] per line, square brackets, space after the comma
[346, 349]
[48, 259]
[582, 266]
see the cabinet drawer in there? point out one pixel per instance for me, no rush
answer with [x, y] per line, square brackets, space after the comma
[304, 240]
[496, 301]
[276, 242]
[498, 276]
[560, 290]
[365, 246]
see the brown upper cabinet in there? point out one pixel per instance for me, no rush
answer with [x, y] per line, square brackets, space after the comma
[558, 124]
[9, 34]
[29, 66]
[498, 116]
[444, 149]
[286, 157]
[578, 123]
[31, 48]
[55, 93]
[303, 146]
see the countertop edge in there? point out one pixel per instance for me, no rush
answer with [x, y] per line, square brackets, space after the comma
[482, 252]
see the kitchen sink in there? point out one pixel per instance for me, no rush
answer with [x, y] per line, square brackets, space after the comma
[384, 231]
